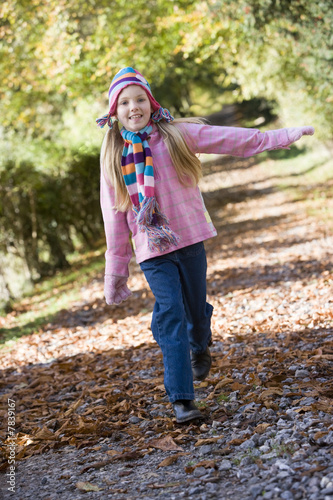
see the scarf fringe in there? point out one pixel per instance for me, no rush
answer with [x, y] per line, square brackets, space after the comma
[155, 224]
[150, 213]
[160, 238]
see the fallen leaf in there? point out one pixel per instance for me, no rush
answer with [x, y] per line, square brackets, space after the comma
[208, 464]
[328, 357]
[203, 384]
[157, 486]
[237, 441]
[130, 455]
[261, 428]
[223, 383]
[86, 486]
[165, 443]
[168, 461]
[44, 434]
[270, 392]
[112, 453]
[74, 406]
[303, 408]
[320, 434]
[236, 386]
[212, 440]
[312, 471]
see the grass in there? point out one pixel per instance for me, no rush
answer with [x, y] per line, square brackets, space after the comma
[222, 397]
[283, 450]
[191, 463]
[50, 296]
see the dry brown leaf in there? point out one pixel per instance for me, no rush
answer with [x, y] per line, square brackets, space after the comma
[112, 453]
[169, 460]
[44, 434]
[44, 379]
[270, 404]
[74, 406]
[237, 441]
[236, 386]
[158, 486]
[223, 383]
[270, 392]
[165, 443]
[325, 406]
[123, 406]
[312, 471]
[303, 408]
[212, 440]
[204, 384]
[208, 464]
[109, 482]
[320, 434]
[329, 357]
[261, 428]
[130, 455]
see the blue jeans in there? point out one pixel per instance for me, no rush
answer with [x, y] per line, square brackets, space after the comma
[181, 316]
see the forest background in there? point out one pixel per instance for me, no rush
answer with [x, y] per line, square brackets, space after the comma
[272, 58]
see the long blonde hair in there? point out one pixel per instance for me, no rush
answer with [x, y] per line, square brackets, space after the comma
[187, 165]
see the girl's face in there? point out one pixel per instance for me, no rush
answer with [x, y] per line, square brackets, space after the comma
[133, 108]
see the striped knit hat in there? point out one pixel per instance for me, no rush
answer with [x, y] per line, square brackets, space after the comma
[124, 78]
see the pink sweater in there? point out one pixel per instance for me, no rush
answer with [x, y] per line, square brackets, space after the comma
[183, 206]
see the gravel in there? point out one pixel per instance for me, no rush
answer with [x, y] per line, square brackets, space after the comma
[284, 460]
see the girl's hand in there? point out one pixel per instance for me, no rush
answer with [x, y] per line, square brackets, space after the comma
[115, 289]
[295, 133]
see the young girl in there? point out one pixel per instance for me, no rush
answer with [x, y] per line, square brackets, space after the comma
[149, 188]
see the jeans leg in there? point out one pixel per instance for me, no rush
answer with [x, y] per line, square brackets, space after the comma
[169, 325]
[193, 271]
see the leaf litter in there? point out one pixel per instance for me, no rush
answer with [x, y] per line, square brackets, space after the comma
[92, 379]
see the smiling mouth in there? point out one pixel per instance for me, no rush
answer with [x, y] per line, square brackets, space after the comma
[135, 116]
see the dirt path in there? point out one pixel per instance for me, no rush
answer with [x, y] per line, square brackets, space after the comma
[92, 419]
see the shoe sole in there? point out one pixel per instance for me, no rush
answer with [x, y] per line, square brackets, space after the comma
[188, 418]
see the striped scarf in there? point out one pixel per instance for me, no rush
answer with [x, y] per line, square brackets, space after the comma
[138, 172]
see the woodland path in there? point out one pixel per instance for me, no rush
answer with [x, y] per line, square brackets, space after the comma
[92, 420]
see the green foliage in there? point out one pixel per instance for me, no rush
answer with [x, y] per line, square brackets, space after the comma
[52, 295]
[41, 214]
[54, 54]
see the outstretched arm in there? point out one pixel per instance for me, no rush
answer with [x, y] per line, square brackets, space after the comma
[238, 141]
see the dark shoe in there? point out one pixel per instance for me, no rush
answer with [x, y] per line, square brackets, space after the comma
[201, 363]
[186, 410]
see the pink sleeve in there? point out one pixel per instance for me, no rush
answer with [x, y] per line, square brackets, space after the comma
[234, 141]
[119, 250]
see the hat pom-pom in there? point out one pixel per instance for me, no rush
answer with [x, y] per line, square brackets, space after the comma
[162, 114]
